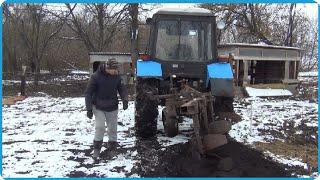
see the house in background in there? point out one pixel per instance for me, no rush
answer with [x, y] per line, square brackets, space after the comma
[260, 65]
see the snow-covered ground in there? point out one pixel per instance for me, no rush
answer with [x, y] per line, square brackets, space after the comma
[79, 72]
[46, 137]
[266, 120]
[51, 137]
[12, 82]
[308, 74]
[72, 77]
[271, 114]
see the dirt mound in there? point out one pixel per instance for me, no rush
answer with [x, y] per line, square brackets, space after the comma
[177, 161]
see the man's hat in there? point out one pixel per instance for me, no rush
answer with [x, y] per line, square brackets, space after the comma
[112, 63]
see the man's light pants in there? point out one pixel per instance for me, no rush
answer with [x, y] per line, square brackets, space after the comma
[102, 118]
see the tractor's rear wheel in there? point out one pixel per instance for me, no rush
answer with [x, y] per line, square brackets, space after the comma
[170, 124]
[223, 107]
[223, 104]
[146, 108]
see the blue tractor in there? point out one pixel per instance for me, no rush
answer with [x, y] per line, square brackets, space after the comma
[182, 72]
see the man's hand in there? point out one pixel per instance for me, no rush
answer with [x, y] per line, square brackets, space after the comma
[125, 104]
[89, 114]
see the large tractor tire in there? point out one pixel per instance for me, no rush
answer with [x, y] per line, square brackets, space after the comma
[223, 107]
[146, 108]
[223, 104]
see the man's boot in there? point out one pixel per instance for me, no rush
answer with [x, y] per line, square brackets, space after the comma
[112, 148]
[96, 149]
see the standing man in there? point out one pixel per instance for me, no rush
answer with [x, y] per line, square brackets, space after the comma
[102, 101]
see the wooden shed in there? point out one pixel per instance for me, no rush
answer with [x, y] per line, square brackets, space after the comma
[263, 64]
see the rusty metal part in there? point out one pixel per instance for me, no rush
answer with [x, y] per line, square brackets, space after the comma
[208, 133]
[212, 141]
[219, 127]
[190, 108]
[170, 120]
[196, 126]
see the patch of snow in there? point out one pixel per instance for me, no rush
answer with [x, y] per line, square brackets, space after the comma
[308, 74]
[72, 77]
[167, 141]
[267, 92]
[12, 82]
[259, 45]
[79, 72]
[184, 10]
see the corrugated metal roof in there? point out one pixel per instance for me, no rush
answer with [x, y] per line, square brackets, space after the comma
[257, 45]
[110, 53]
[185, 11]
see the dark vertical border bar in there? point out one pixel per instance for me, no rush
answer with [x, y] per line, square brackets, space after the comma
[1, 9]
[318, 85]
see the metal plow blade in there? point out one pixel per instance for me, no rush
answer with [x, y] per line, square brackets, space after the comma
[212, 141]
[219, 127]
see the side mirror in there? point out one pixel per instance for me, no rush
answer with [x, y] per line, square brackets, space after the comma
[149, 21]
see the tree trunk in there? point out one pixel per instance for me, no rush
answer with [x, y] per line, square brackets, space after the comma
[37, 71]
[134, 34]
[289, 39]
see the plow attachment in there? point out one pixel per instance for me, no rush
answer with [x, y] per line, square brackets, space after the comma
[210, 128]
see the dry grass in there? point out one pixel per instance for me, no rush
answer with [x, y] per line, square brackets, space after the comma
[272, 86]
[10, 100]
[308, 153]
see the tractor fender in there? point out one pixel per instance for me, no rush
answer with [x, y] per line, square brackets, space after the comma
[220, 79]
[148, 69]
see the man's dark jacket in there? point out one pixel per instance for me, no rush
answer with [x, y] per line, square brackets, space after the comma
[102, 91]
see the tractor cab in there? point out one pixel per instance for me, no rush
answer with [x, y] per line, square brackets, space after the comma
[182, 39]
[183, 35]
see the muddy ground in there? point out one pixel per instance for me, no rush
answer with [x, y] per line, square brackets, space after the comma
[179, 162]
[176, 160]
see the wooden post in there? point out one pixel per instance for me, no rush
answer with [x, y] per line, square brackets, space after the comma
[23, 81]
[295, 70]
[237, 72]
[245, 72]
[286, 70]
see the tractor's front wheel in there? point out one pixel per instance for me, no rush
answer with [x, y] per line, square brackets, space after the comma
[146, 108]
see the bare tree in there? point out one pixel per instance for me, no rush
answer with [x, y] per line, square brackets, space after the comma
[277, 24]
[247, 18]
[289, 39]
[96, 24]
[36, 30]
